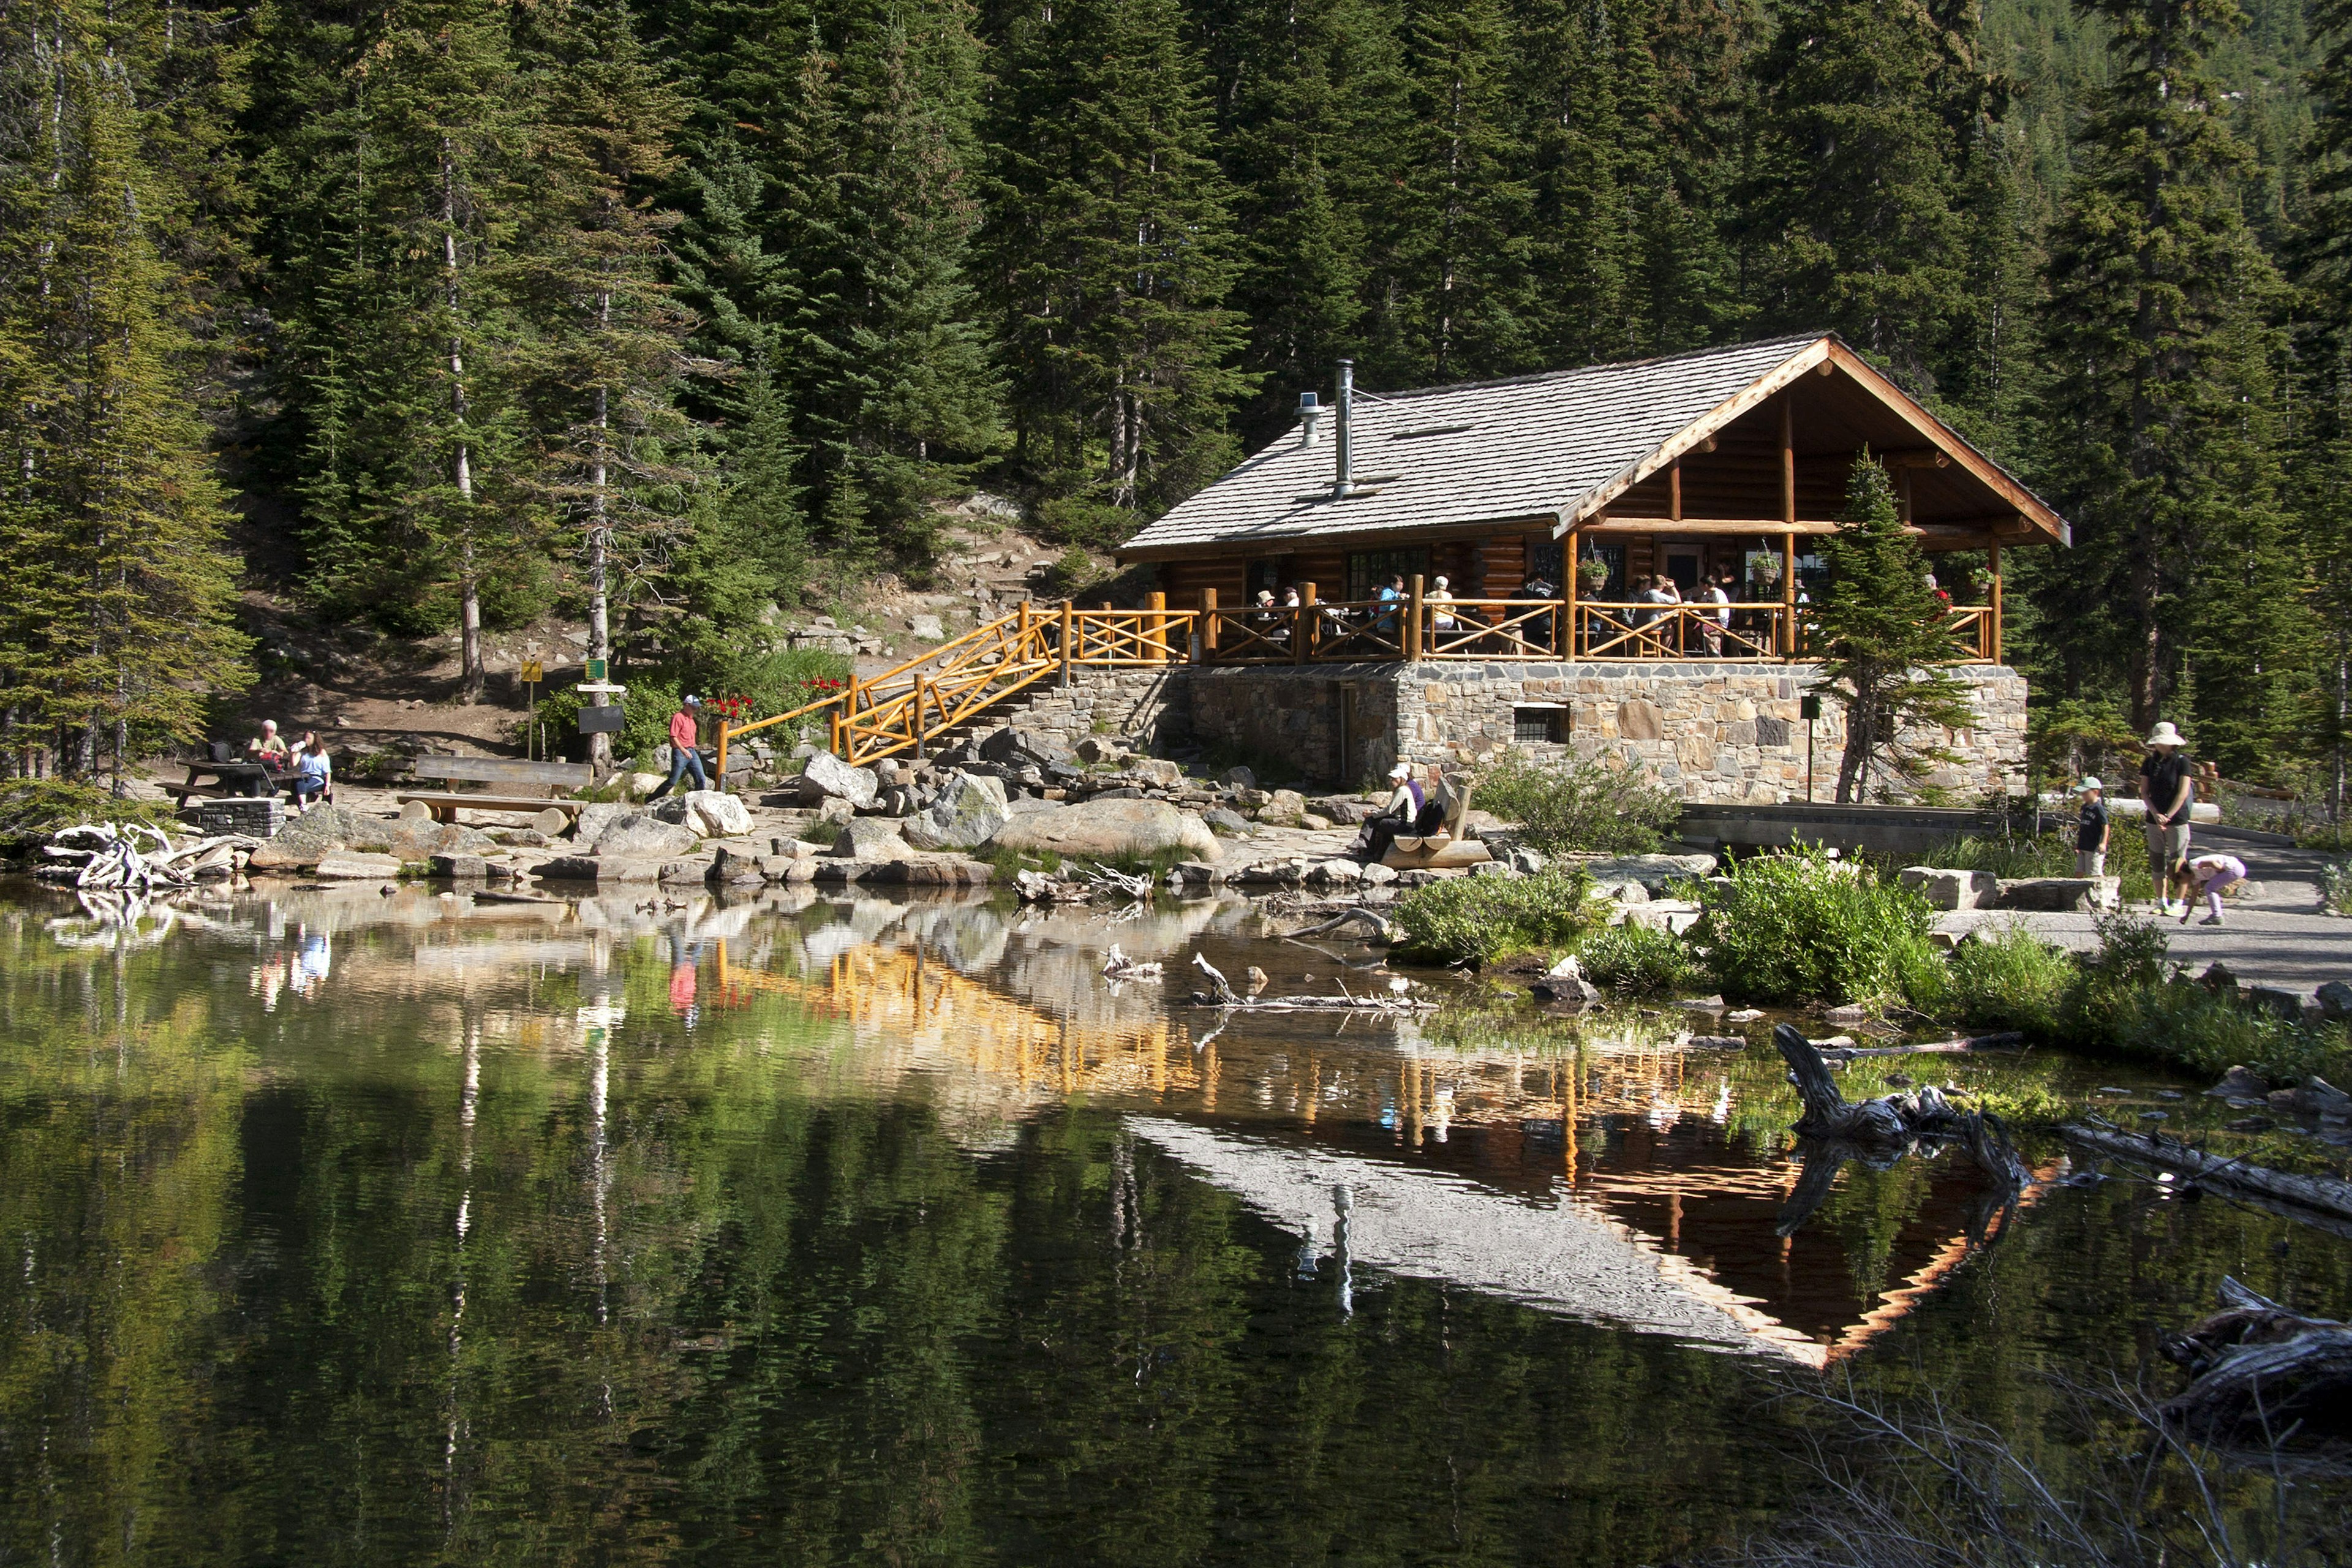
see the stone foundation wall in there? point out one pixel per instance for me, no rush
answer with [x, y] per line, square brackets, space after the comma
[1713, 731]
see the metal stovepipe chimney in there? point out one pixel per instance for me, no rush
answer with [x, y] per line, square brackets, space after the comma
[1342, 484]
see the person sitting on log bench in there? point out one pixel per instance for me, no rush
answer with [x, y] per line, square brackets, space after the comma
[1407, 811]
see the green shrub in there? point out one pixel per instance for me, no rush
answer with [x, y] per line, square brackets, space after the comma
[1638, 958]
[824, 831]
[1472, 918]
[1800, 927]
[2008, 978]
[1585, 804]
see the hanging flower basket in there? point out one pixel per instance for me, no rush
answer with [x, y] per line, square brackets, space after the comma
[1592, 574]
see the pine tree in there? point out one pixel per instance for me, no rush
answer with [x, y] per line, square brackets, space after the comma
[1452, 233]
[1109, 252]
[1852, 200]
[1303, 93]
[2323, 263]
[1882, 639]
[2156, 415]
[604, 355]
[116, 623]
[1585, 258]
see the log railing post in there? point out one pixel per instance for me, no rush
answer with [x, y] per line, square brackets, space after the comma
[1021, 631]
[1156, 647]
[1410, 643]
[915, 729]
[1994, 553]
[1788, 595]
[1070, 638]
[1208, 625]
[1303, 632]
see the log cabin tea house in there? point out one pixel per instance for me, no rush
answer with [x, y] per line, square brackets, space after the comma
[1527, 517]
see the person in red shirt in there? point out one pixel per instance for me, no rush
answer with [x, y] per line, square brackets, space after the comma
[683, 758]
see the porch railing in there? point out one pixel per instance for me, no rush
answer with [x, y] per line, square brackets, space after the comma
[906, 707]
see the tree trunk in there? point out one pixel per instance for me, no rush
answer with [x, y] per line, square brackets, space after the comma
[471, 675]
[600, 640]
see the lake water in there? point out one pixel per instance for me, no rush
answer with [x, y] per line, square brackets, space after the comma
[344, 1227]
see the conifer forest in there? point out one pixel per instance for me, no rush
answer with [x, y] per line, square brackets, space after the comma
[443, 314]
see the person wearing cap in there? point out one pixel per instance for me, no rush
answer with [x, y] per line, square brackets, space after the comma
[1407, 811]
[2091, 829]
[683, 757]
[2168, 787]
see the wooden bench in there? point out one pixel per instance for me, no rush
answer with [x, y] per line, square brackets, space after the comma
[507, 777]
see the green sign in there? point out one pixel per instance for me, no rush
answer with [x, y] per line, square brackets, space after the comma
[595, 669]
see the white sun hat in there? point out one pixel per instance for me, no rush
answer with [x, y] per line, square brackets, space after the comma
[2164, 734]
[2088, 785]
[1401, 771]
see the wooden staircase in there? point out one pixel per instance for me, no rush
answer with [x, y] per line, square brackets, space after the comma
[917, 703]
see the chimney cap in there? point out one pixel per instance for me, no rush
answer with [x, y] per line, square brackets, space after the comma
[1308, 400]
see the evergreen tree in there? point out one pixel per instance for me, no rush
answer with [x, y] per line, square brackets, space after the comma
[1108, 251]
[604, 344]
[2156, 413]
[1304, 93]
[2323, 258]
[1453, 230]
[116, 623]
[1854, 197]
[1585, 258]
[1882, 639]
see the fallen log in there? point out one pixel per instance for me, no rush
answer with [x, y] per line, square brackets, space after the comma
[2324, 1194]
[1379, 927]
[1929, 1048]
[1342, 1003]
[2266, 1378]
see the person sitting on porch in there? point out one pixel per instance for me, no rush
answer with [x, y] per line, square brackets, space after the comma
[1440, 599]
[1408, 810]
[1391, 592]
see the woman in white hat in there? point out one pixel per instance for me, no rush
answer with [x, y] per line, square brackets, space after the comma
[2167, 787]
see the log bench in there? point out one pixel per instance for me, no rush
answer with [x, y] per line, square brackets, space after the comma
[507, 779]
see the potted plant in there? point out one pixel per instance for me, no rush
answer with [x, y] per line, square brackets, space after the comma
[1591, 577]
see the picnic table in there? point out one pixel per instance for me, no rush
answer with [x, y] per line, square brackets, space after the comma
[211, 779]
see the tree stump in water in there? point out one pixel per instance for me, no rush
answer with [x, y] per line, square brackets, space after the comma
[1890, 1119]
[2266, 1378]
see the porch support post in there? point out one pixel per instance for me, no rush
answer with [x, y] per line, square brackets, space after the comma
[1306, 627]
[1789, 515]
[1411, 639]
[1069, 640]
[1566, 640]
[1156, 649]
[1993, 551]
[1208, 624]
[1674, 491]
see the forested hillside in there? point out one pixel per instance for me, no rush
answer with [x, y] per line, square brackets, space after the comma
[443, 313]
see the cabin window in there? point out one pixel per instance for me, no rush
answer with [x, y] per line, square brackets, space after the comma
[1543, 561]
[1367, 568]
[1264, 577]
[1538, 724]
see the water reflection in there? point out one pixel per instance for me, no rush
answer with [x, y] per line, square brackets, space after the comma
[791, 1227]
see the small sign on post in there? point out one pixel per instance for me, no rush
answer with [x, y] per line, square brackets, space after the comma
[595, 669]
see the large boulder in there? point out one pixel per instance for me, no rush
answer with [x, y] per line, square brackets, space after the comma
[1016, 747]
[350, 866]
[869, 838]
[1952, 889]
[598, 816]
[717, 815]
[825, 776]
[965, 814]
[1102, 829]
[641, 835]
[1282, 808]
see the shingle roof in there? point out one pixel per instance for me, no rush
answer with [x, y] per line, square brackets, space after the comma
[1530, 447]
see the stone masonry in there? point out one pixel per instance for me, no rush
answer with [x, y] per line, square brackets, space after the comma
[1713, 731]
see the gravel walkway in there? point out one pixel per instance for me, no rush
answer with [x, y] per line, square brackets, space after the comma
[2275, 935]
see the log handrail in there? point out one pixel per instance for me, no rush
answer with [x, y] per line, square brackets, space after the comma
[919, 698]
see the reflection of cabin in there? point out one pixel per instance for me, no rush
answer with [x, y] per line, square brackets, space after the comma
[1721, 463]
